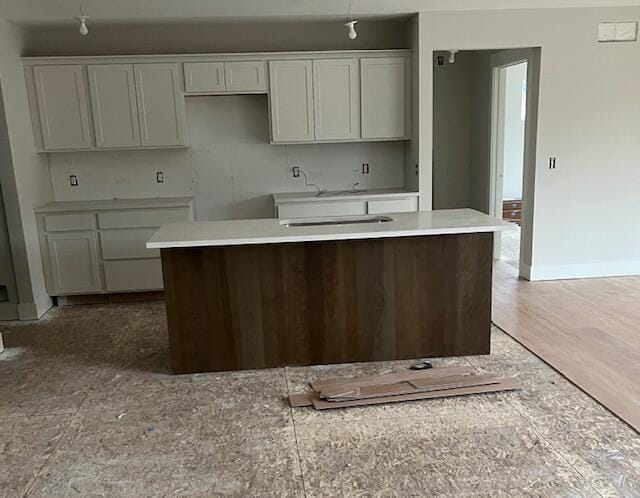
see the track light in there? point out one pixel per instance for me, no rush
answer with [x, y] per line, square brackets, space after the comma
[351, 27]
[452, 56]
[84, 30]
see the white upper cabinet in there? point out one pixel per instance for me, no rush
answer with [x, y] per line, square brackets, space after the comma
[245, 76]
[203, 77]
[385, 98]
[115, 110]
[62, 104]
[161, 105]
[336, 99]
[291, 101]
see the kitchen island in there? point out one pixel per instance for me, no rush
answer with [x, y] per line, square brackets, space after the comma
[265, 293]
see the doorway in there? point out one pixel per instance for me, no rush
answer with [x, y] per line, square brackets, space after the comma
[509, 106]
[514, 95]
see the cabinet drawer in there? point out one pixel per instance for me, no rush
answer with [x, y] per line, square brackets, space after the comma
[245, 76]
[507, 205]
[142, 218]
[127, 244]
[68, 222]
[133, 275]
[512, 215]
[202, 77]
[407, 205]
[311, 209]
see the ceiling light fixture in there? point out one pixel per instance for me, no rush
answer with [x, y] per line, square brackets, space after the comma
[351, 29]
[83, 30]
[351, 23]
[452, 56]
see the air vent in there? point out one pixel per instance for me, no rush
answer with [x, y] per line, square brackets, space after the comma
[618, 32]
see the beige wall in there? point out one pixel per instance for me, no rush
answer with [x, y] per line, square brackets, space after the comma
[24, 176]
[585, 218]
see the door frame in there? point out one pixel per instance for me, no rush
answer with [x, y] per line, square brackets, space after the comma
[498, 61]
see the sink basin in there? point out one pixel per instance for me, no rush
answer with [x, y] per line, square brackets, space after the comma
[335, 221]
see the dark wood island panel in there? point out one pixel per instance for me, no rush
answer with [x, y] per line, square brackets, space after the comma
[304, 303]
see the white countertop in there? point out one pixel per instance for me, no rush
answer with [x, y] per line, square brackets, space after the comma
[269, 231]
[108, 204]
[312, 196]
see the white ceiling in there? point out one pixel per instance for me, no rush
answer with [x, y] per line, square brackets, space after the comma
[57, 11]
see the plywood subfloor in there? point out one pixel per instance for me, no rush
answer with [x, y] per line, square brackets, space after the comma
[88, 409]
[588, 329]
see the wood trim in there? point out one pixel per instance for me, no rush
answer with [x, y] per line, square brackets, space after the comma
[271, 305]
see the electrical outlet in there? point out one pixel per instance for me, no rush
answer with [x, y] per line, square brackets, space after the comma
[295, 171]
[73, 180]
[365, 168]
[552, 163]
[159, 177]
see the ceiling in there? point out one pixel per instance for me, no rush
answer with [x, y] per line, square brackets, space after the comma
[59, 11]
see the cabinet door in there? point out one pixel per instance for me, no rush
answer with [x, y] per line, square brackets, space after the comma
[62, 103]
[203, 77]
[291, 100]
[383, 93]
[336, 99]
[115, 110]
[160, 105]
[245, 76]
[73, 259]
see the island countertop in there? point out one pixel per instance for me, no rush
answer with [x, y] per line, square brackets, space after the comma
[272, 231]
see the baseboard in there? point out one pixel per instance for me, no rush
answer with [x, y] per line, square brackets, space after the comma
[33, 311]
[596, 270]
[8, 311]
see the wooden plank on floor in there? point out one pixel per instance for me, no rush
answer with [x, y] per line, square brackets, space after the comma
[413, 386]
[503, 385]
[390, 378]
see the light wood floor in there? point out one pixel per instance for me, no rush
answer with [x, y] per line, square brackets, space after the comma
[587, 329]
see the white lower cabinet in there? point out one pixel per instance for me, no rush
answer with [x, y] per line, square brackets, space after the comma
[133, 275]
[73, 262]
[102, 251]
[331, 207]
[313, 209]
[381, 206]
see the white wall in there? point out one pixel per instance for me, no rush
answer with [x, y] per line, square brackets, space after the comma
[588, 119]
[23, 174]
[231, 168]
[515, 78]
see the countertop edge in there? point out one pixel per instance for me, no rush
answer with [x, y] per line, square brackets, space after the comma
[327, 237]
[114, 204]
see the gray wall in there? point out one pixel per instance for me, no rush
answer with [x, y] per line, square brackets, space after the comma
[157, 38]
[230, 167]
[587, 119]
[461, 116]
[24, 176]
